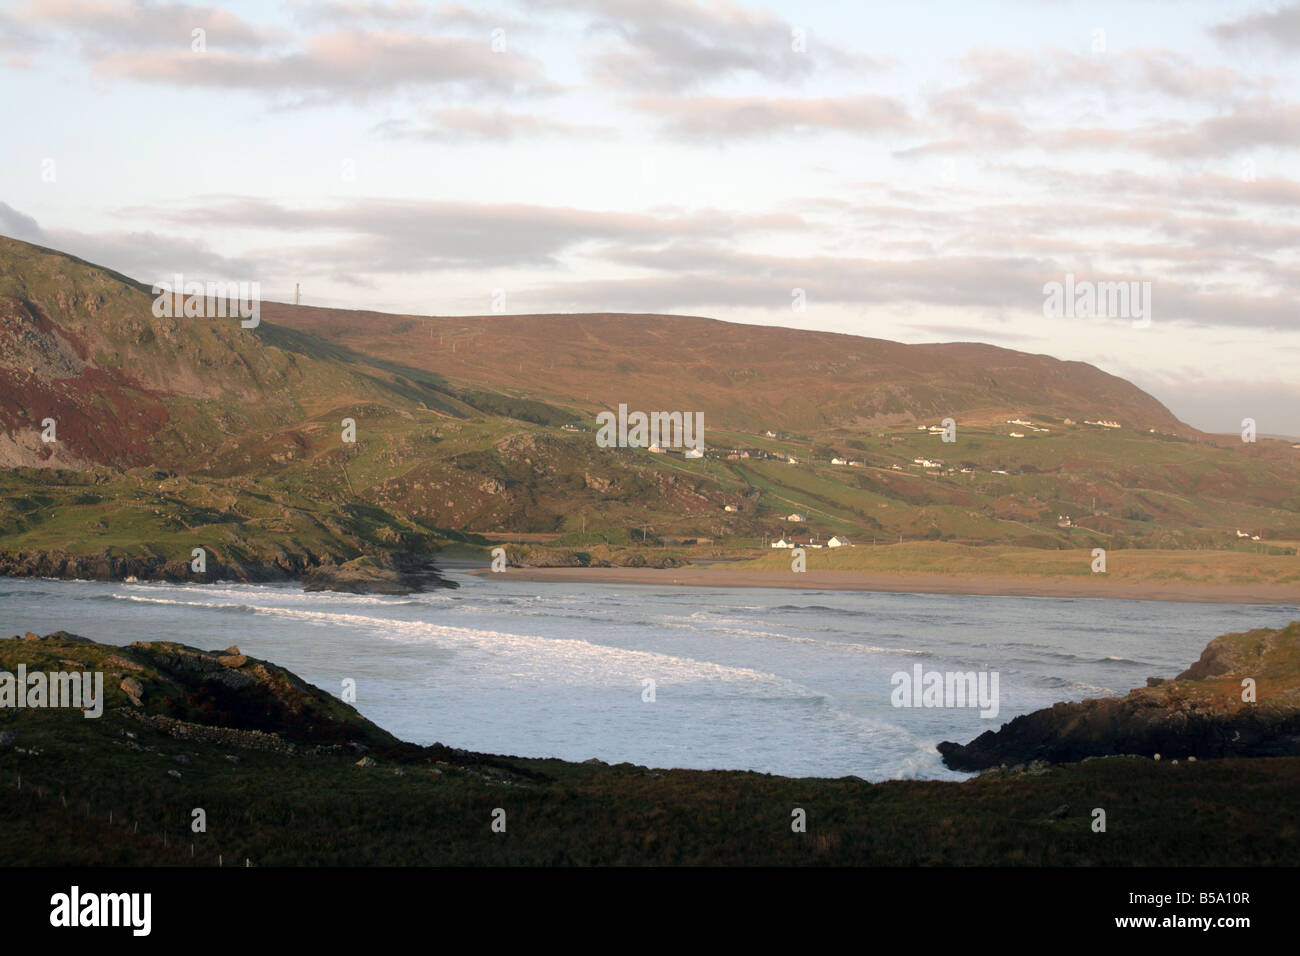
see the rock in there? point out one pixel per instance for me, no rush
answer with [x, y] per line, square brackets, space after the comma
[29, 636]
[133, 689]
[181, 759]
[65, 636]
[597, 761]
[232, 649]
[232, 661]
[7, 737]
[366, 762]
[233, 758]
[174, 773]
[376, 574]
[1200, 711]
[1060, 811]
[399, 772]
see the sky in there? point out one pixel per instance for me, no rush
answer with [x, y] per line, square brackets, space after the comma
[916, 172]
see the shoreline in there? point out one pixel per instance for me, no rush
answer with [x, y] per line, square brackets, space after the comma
[975, 584]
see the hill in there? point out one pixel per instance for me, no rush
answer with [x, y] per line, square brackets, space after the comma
[748, 378]
[174, 433]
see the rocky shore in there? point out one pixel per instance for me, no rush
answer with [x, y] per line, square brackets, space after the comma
[1241, 699]
[383, 573]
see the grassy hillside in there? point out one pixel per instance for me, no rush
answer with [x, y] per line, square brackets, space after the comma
[486, 424]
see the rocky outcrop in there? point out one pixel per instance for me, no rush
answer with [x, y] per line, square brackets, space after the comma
[1241, 699]
[378, 574]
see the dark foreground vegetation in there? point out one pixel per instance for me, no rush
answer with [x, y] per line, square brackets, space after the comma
[289, 775]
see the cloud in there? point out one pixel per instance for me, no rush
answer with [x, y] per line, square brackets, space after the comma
[675, 45]
[739, 117]
[141, 254]
[151, 43]
[387, 236]
[1280, 27]
[106, 26]
[470, 125]
[405, 13]
[354, 65]
[695, 276]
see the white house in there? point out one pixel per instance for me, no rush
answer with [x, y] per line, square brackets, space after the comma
[796, 516]
[814, 543]
[730, 508]
[656, 450]
[783, 544]
[1017, 435]
[838, 541]
[694, 453]
[792, 460]
[838, 461]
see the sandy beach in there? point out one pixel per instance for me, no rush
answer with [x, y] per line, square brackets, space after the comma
[1092, 587]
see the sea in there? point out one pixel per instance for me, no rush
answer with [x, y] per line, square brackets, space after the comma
[794, 682]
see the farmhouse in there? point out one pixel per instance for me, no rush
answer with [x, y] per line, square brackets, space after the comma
[796, 517]
[839, 541]
[782, 543]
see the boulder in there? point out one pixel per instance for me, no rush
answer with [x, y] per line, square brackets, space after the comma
[133, 689]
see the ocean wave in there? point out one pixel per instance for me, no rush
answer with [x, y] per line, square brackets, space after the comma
[570, 660]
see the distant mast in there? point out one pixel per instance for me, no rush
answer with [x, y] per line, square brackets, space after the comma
[297, 293]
